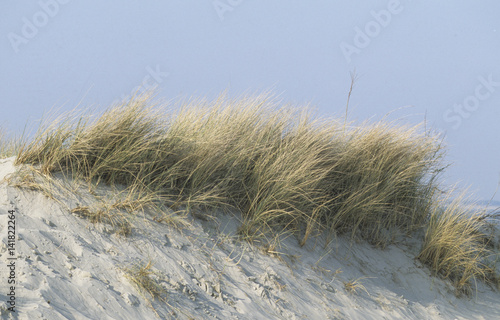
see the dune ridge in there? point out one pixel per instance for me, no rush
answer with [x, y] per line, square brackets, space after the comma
[239, 209]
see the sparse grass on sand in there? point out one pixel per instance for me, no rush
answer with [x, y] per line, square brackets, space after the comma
[355, 285]
[281, 167]
[143, 277]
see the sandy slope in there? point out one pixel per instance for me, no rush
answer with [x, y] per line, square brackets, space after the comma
[67, 268]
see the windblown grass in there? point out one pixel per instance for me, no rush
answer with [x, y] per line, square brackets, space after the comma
[278, 166]
[456, 244]
[281, 167]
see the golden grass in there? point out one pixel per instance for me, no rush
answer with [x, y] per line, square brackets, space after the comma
[283, 168]
[456, 244]
[279, 166]
[355, 285]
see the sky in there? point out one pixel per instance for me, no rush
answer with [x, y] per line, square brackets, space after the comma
[417, 61]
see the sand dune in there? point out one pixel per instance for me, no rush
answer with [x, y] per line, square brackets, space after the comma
[69, 268]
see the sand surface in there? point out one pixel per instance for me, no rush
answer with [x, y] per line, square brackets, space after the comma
[69, 268]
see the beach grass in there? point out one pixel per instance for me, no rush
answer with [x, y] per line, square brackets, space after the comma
[283, 168]
[457, 245]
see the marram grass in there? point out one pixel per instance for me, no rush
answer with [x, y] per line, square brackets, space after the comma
[281, 167]
[456, 244]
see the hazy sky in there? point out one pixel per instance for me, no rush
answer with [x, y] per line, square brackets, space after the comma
[433, 60]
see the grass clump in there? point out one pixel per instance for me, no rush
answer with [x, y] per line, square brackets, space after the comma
[280, 166]
[141, 276]
[283, 168]
[382, 179]
[145, 280]
[456, 244]
[355, 285]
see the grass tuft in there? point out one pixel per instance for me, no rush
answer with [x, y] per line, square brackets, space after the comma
[144, 278]
[282, 168]
[456, 244]
[355, 285]
[141, 276]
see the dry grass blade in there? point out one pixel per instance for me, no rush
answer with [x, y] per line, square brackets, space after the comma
[355, 285]
[106, 215]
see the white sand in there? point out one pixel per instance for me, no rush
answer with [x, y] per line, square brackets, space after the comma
[68, 268]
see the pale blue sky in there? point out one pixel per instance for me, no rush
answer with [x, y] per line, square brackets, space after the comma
[441, 58]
